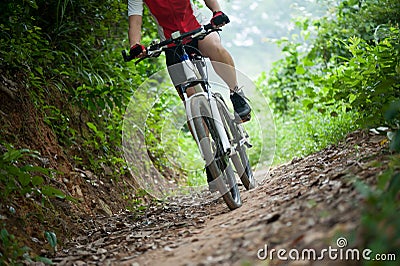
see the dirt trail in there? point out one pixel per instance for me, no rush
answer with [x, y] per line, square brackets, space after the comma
[307, 203]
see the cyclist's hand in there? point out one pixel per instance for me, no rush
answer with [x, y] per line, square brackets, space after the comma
[137, 50]
[219, 19]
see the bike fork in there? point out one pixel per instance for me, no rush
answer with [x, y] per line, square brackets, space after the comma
[215, 115]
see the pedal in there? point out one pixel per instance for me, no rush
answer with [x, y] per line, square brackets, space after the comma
[248, 145]
[245, 141]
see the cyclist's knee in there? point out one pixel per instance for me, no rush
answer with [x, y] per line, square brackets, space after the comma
[211, 45]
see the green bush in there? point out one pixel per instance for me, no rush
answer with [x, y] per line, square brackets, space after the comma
[26, 179]
[308, 131]
[69, 55]
[380, 221]
[13, 253]
[341, 67]
[346, 76]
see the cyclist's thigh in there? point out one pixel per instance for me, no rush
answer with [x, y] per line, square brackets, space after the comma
[210, 44]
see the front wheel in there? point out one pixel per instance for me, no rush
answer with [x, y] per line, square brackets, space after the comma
[210, 145]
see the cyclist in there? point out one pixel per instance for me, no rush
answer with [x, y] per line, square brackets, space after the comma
[183, 16]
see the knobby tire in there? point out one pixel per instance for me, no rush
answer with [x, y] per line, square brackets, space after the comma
[210, 143]
[239, 159]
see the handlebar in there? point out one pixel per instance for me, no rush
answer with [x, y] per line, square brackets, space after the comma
[156, 48]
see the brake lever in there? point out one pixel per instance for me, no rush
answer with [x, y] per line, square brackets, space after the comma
[202, 35]
[126, 57]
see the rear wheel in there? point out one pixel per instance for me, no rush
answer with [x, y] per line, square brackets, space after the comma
[217, 162]
[236, 135]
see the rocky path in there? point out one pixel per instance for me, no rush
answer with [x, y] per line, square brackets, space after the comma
[306, 204]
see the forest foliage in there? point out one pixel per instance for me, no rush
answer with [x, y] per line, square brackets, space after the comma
[70, 52]
[353, 62]
[340, 72]
[343, 67]
[64, 58]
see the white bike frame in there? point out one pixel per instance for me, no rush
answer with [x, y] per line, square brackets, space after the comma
[191, 72]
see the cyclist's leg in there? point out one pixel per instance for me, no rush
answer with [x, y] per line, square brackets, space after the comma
[224, 65]
[211, 47]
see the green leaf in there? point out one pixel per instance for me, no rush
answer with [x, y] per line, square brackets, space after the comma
[53, 192]
[24, 179]
[37, 180]
[44, 260]
[39, 70]
[352, 98]
[51, 238]
[4, 236]
[308, 103]
[13, 155]
[308, 62]
[32, 168]
[395, 143]
[393, 111]
[72, 199]
[12, 171]
[300, 70]
[92, 126]
[383, 179]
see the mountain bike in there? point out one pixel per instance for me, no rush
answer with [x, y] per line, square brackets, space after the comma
[221, 139]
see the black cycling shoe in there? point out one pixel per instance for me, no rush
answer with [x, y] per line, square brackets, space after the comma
[212, 186]
[241, 107]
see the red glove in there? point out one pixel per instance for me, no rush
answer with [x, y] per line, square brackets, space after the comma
[219, 19]
[137, 49]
